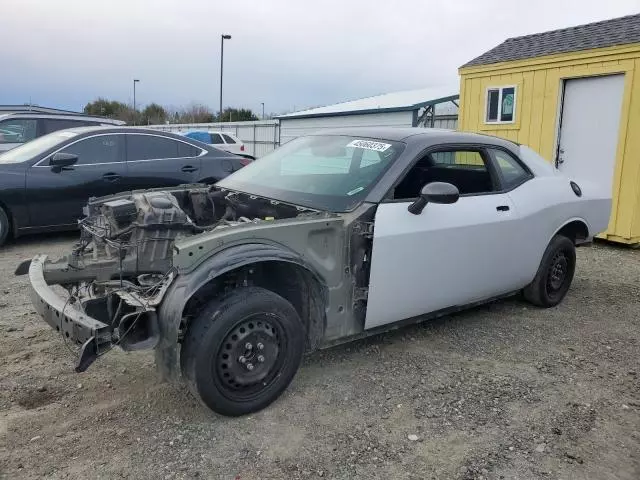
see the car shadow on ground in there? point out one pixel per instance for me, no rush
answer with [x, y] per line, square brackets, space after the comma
[446, 325]
[49, 243]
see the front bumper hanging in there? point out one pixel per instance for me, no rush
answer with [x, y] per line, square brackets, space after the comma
[65, 317]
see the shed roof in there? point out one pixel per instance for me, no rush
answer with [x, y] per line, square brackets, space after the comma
[389, 102]
[617, 31]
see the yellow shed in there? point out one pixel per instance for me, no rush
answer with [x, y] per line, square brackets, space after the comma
[574, 96]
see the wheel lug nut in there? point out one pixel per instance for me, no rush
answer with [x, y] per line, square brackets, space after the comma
[249, 366]
[242, 359]
[260, 346]
[248, 346]
[260, 358]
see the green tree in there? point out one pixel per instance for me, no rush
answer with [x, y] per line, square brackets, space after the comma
[157, 114]
[194, 113]
[107, 108]
[153, 114]
[236, 115]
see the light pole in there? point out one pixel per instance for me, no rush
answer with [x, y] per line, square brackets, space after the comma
[135, 80]
[262, 103]
[222, 39]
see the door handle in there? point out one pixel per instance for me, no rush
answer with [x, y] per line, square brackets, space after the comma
[111, 177]
[502, 208]
[188, 169]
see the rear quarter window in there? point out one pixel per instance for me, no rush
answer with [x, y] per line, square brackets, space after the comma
[512, 173]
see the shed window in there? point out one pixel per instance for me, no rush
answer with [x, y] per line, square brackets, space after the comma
[501, 105]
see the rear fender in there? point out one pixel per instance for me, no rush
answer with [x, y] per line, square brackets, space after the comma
[572, 220]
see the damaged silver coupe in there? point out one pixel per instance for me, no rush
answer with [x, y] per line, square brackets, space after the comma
[329, 238]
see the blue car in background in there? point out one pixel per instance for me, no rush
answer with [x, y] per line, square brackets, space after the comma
[220, 140]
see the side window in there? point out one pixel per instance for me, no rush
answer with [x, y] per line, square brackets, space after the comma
[150, 147]
[228, 139]
[501, 105]
[98, 149]
[17, 130]
[510, 170]
[459, 158]
[216, 138]
[466, 169]
[55, 124]
[186, 150]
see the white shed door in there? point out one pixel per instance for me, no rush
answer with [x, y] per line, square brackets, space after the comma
[589, 127]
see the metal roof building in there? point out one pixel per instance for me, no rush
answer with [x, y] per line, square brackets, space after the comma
[424, 107]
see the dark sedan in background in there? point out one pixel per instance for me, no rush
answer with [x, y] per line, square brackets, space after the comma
[45, 183]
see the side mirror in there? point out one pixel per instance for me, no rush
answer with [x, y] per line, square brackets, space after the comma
[434, 192]
[61, 160]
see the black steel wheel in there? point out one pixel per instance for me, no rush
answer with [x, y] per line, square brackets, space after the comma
[242, 351]
[4, 226]
[250, 358]
[555, 274]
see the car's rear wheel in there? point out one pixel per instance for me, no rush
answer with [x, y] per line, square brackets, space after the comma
[4, 226]
[555, 273]
[242, 351]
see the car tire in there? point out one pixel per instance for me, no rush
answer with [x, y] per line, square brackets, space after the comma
[555, 273]
[242, 351]
[4, 226]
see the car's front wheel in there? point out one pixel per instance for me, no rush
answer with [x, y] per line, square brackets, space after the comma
[4, 226]
[242, 351]
[555, 273]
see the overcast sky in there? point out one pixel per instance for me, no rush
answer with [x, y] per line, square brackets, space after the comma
[286, 53]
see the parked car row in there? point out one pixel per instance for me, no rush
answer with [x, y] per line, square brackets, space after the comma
[45, 183]
[221, 140]
[21, 127]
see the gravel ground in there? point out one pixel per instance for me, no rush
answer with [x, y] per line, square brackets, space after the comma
[502, 391]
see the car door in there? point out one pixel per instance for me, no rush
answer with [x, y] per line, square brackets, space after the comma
[56, 197]
[450, 254]
[159, 161]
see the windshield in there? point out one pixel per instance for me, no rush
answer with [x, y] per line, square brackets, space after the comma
[30, 149]
[328, 172]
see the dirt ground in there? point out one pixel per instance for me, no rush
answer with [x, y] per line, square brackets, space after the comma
[503, 391]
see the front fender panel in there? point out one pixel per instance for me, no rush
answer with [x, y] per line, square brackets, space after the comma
[185, 286]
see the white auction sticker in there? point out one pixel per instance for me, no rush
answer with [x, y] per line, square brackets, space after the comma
[369, 145]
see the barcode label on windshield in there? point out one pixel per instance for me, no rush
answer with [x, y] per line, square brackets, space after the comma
[369, 145]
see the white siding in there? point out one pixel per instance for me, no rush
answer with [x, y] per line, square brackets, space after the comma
[291, 128]
[448, 122]
[259, 137]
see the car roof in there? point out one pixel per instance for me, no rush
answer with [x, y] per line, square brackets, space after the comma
[74, 116]
[118, 129]
[405, 134]
[231, 134]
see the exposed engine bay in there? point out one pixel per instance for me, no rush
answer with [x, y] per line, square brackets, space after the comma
[123, 264]
[143, 226]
